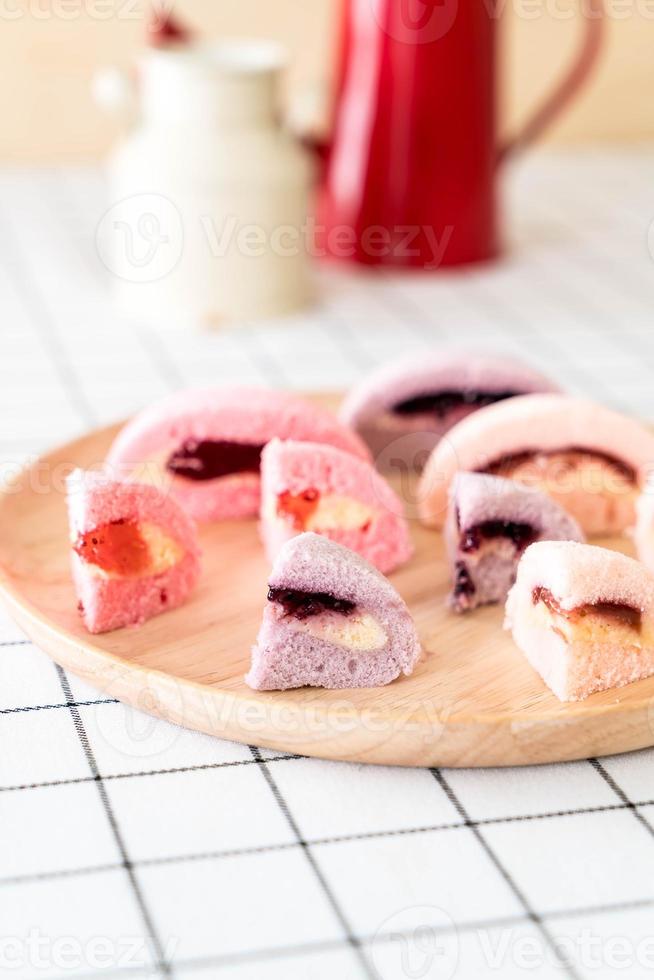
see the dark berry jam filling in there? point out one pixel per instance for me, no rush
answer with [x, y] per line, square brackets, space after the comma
[298, 507]
[440, 403]
[620, 613]
[519, 534]
[302, 605]
[569, 459]
[463, 584]
[117, 548]
[208, 459]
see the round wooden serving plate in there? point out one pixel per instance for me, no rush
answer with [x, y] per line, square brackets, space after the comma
[472, 701]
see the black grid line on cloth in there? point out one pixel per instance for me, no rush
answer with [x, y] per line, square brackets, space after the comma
[309, 842]
[304, 949]
[622, 796]
[67, 210]
[318, 946]
[530, 912]
[36, 308]
[151, 931]
[150, 772]
[583, 298]
[267, 954]
[622, 278]
[508, 316]
[625, 906]
[270, 367]
[352, 940]
[51, 707]
[264, 955]
[154, 347]
[347, 341]
[63, 873]
[410, 314]
[39, 315]
[571, 296]
[618, 806]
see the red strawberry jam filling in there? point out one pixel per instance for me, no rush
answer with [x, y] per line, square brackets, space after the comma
[619, 612]
[519, 534]
[441, 403]
[209, 459]
[302, 605]
[117, 548]
[298, 508]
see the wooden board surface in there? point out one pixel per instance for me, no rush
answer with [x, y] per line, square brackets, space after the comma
[472, 701]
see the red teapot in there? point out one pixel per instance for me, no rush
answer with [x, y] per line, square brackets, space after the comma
[410, 177]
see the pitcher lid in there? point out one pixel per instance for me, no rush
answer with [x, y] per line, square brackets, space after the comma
[227, 56]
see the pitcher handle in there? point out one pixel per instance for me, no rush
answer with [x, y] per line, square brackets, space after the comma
[569, 85]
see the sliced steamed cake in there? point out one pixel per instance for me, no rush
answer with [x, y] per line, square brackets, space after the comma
[589, 459]
[403, 409]
[134, 551]
[205, 445]
[310, 487]
[490, 522]
[583, 616]
[332, 620]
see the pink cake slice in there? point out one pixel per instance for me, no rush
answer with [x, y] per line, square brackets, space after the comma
[205, 445]
[306, 486]
[403, 409]
[134, 551]
[490, 522]
[332, 620]
[583, 616]
[589, 459]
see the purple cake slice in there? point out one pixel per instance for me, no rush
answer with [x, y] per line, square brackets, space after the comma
[404, 408]
[332, 620]
[490, 522]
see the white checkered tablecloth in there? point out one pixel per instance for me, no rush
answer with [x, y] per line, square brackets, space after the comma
[130, 847]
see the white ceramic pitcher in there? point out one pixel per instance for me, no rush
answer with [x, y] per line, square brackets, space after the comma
[207, 221]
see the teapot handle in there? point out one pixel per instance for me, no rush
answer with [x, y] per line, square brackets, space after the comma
[568, 86]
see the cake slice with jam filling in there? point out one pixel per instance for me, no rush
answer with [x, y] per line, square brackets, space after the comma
[306, 486]
[411, 403]
[490, 523]
[134, 551]
[589, 459]
[332, 620]
[583, 616]
[205, 445]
